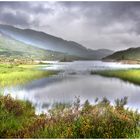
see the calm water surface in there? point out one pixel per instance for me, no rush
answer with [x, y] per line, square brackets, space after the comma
[75, 80]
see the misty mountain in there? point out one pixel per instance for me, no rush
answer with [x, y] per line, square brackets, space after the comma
[13, 49]
[52, 43]
[128, 54]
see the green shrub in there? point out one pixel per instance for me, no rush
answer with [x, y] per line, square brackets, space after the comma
[101, 120]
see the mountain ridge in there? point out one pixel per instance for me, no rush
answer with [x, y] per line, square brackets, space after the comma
[49, 42]
[11, 49]
[130, 54]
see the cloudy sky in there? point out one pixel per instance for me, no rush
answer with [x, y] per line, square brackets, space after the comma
[111, 25]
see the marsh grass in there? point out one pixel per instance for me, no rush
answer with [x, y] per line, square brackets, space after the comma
[101, 120]
[13, 75]
[131, 75]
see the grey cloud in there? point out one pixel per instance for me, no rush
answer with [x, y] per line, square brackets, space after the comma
[85, 22]
[26, 6]
[17, 18]
[106, 12]
[22, 12]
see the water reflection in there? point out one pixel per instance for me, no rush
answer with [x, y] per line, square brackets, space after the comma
[75, 80]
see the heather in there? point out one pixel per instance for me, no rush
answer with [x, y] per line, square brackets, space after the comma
[76, 120]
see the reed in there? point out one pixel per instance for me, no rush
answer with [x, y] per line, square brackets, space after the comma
[131, 75]
[101, 120]
[13, 75]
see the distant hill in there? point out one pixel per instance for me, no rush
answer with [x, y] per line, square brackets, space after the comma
[51, 43]
[10, 48]
[129, 54]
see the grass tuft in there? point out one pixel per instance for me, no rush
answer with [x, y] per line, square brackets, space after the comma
[131, 75]
[13, 75]
[102, 120]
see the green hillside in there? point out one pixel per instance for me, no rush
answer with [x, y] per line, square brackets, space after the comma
[9, 47]
[11, 50]
[53, 43]
[132, 54]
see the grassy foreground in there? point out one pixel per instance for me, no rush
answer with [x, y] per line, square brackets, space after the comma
[13, 75]
[102, 120]
[131, 75]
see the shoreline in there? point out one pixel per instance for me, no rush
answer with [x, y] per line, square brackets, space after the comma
[123, 61]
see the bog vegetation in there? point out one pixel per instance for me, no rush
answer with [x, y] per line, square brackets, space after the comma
[101, 120]
[131, 75]
[13, 75]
